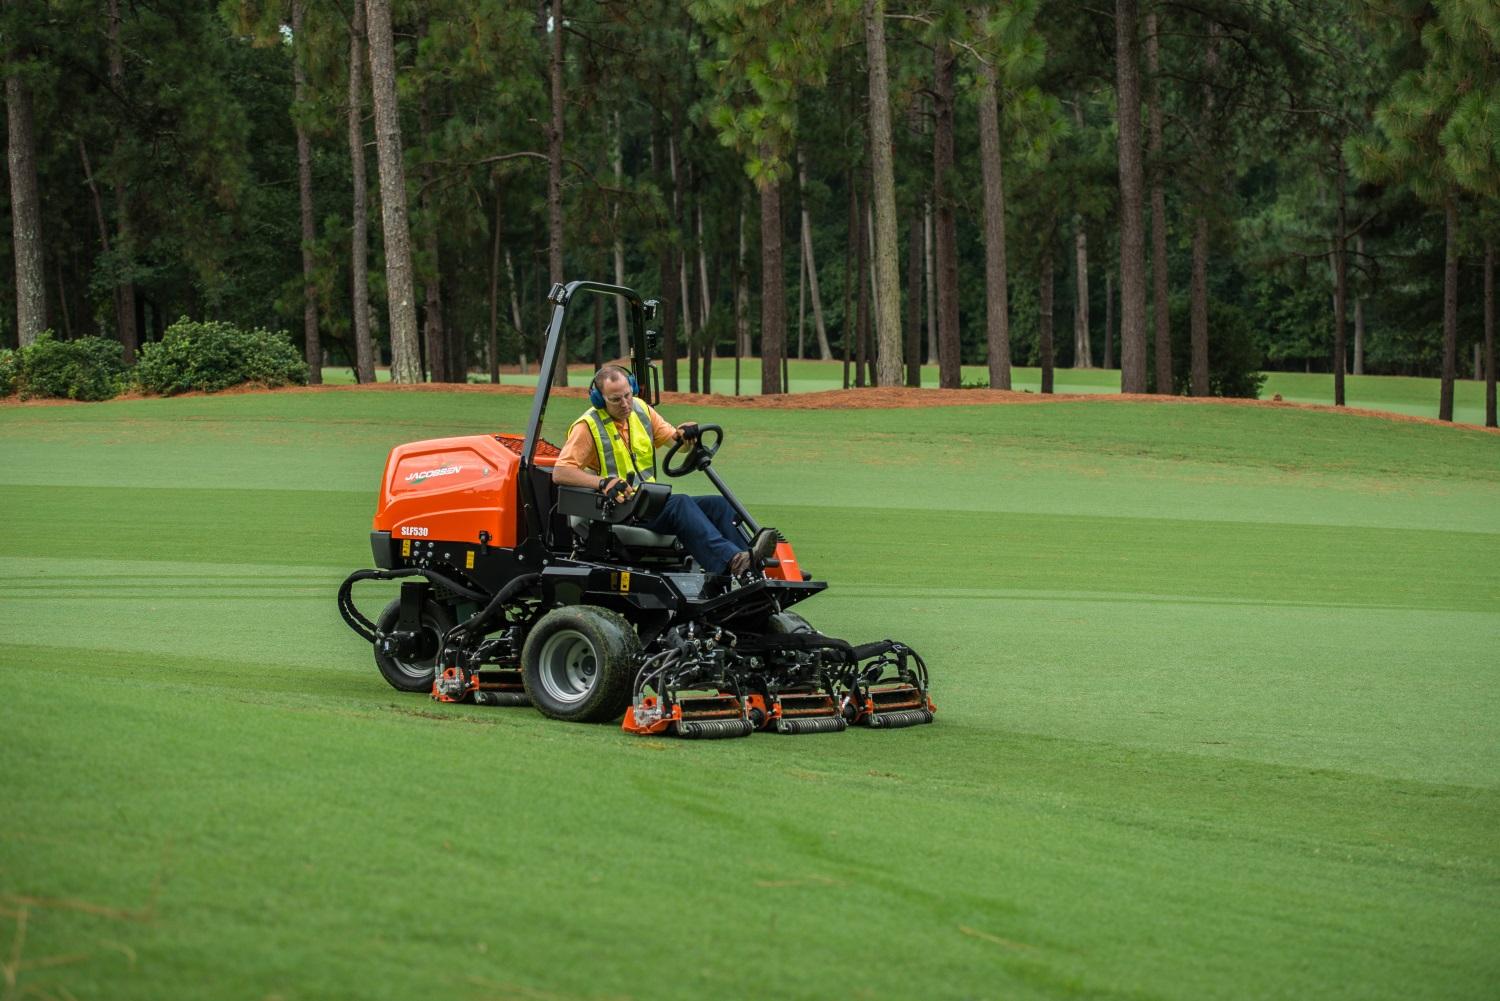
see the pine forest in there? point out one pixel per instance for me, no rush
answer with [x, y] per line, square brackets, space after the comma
[1192, 194]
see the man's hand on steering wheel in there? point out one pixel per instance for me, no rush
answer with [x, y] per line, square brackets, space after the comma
[697, 444]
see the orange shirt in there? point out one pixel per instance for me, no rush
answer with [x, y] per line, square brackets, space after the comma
[579, 451]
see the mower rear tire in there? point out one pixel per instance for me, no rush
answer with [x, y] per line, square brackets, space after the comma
[578, 664]
[413, 674]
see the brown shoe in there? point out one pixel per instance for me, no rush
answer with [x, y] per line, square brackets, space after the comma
[763, 546]
[738, 564]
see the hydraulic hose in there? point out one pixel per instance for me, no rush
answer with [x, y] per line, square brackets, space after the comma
[363, 626]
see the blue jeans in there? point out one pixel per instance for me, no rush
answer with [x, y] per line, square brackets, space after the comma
[705, 526]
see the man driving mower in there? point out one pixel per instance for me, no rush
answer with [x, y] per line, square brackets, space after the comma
[612, 448]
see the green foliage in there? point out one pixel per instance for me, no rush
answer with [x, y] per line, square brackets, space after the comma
[9, 368]
[210, 356]
[89, 368]
[1293, 321]
[763, 55]
[1234, 356]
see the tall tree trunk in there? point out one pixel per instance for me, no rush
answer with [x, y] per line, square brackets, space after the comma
[88, 179]
[684, 291]
[313, 350]
[1045, 339]
[887, 269]
[1109, 325]
[598, 355]
[947, 227]
[691, 332]
[1340, 288]
[1359, 314]
[515, 311]
[772, 286]
[1161, 303]
[872, 329]
[359, 256]
[67, 322]
[851, 249]
[125, 318]
[801, 301]
[1198, 334]
[862, 313]
[1198, 308]
[824, 351]
[914, 296]
[622, 331]
[25, 211]
[1132, 239]
[438, 362]
[406, 361]
[929, 265]
[707, 350]
[996, 290]
[666, 261]
[554, 176]
[492, 343]
[1489, 333]
[1083, 351]
[1450, 308]
[741, 300]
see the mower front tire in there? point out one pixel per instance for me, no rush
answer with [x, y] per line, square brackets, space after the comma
[578, 664]
[414, 673]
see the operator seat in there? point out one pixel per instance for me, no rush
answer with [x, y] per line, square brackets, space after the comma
[631, 535]
[585, 507]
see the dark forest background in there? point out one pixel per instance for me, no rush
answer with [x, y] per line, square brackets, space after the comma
[1188, 191]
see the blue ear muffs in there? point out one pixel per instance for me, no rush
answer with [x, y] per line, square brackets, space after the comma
[597, 398]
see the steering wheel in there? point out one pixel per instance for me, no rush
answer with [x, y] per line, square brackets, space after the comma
[699, 458]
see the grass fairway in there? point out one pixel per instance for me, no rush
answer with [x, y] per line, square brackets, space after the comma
[1219, 718]
[1417, 397]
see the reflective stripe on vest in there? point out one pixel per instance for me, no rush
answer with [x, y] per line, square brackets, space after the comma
[645, 420]
[615, 458]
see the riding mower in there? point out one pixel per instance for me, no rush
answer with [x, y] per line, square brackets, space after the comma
[516, 590]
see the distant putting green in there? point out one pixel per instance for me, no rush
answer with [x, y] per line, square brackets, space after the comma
[1219, 717]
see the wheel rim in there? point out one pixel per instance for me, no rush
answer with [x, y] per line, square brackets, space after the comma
[423, 668]
[568, 669]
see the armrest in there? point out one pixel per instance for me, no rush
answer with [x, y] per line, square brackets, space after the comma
[591, 505]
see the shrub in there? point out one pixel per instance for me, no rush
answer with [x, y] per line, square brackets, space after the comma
[89, 368]
[211, 356]
[1234, 358]
[9, 368]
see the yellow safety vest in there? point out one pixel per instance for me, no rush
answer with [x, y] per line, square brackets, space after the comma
[615, 457]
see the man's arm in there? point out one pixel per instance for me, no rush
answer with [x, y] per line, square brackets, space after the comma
[576, 463]
[663, 432]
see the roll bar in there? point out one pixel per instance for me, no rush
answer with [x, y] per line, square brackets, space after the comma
[640, 361]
